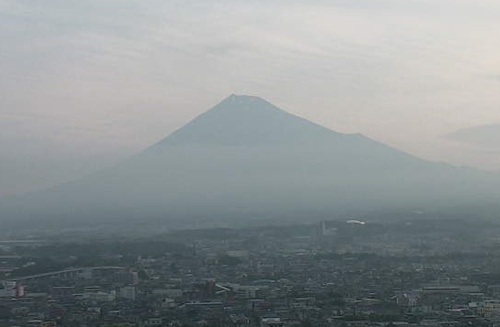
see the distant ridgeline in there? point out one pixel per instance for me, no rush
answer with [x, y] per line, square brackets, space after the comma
[246, 160]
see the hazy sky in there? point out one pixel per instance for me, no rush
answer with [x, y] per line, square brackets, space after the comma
[86, 83]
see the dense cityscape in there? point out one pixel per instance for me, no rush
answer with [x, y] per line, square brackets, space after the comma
[330, 273]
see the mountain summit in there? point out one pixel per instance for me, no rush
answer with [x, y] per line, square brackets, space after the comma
[242, 119]
[246, 159]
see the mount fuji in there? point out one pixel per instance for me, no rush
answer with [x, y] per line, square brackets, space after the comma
[246, 159]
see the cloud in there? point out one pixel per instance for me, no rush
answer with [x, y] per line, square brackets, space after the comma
[495, 78]
[486, 136]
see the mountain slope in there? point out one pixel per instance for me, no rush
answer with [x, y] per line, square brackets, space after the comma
[246, 159]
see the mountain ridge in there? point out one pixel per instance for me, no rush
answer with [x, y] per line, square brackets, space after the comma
[240, 112]
[246, 159]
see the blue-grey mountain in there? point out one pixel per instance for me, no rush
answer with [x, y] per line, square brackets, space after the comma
[246, 159]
